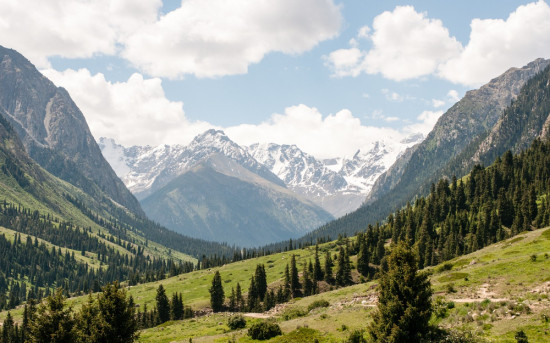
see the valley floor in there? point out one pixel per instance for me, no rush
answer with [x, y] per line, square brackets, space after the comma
[492, 293]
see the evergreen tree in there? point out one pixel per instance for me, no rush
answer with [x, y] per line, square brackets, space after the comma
[328, 268]
[176, 307]
[286, 286]
[253, 296]
[53, 322]
[317, 270]
[117, 316]
[261, 280]
[404, 304]
[363, 259]
[163, 305]
[307, 282]
[295, 285]
[239, 297]
[217, 295]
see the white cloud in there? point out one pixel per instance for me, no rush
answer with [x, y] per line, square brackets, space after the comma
[135, 112]
[345, 62]
[496, 45]
[437, 103]
[453, 95]
[210, 38]
[364, 32]
[68, 28]
[206, 38]
[405, 44]
[335, 135]
[425, 123]
[392, 96]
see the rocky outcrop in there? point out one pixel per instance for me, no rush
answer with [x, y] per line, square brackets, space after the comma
[54, 131]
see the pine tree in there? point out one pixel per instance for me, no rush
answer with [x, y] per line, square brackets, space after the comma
[53, 322]
[286, 285]
[328, 268]
[261, 280]
[363, 259]
[239, 298]
[232, 300]
[308, 284]
[294, 279]
[404, 305]
[253, 295]
[317, 270]
[217, 295]
[117, 316]
[163, 305]
[176, 307]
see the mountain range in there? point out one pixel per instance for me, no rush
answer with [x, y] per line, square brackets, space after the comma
[215, 189]
[507, 113]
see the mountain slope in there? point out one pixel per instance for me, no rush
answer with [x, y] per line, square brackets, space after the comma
[457, 133]
[338, 185]
[54, 131]
[221, 200]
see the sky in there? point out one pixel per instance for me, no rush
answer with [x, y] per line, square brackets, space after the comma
[332, 76]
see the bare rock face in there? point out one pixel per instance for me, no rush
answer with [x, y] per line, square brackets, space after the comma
[476, 113]
[54, 131]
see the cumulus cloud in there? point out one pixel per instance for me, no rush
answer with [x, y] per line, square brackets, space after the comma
[210, 38]
[335, 135]
[453, 95]
[73, 29]
[496, 45]
[206, 38]
[135, 112]
[407, 44]
[425, 122]
[437, 103]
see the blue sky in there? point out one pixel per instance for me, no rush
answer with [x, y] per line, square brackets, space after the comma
[330, 76]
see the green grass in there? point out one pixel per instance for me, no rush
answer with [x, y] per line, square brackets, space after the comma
[504, 271]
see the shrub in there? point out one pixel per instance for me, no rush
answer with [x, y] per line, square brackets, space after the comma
[264, 330]
[445, 267]
[294, 312]
[356, 336]
[236, 322]
[317, 304]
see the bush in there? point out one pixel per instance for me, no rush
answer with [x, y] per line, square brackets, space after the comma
[236, 322]
[356, 336]
[264, 330]
[294, 312]
[317, 304]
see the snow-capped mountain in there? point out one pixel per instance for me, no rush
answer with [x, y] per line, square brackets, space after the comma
[339, 185]
[144, 169]
[214, 189]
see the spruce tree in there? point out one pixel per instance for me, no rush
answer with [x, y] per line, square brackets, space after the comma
[295, 285]
[239, 301]
[217, 295]
[404, 303]
[176, 307]
[363, 259]
[328, 268]
[261, 280]
[317, 270]
[253, 295]
[163, 305]
[53, 322]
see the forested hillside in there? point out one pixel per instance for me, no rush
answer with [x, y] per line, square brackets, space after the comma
[478, 128]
